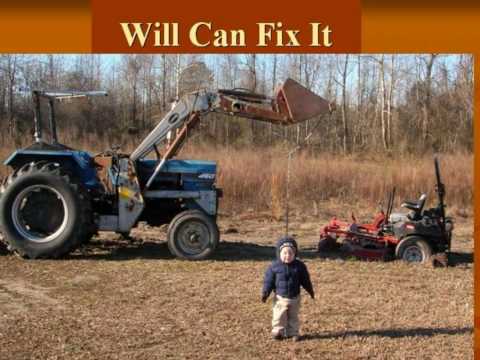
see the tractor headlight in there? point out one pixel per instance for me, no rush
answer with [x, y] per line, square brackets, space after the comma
[448, 226]
[207, 176]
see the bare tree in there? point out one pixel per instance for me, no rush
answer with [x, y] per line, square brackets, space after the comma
[132, 67]
[251, 63]
[342, 68]
[10, 69]
[427, 97]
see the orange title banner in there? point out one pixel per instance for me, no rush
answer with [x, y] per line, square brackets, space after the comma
[45, 26]
[219, 26]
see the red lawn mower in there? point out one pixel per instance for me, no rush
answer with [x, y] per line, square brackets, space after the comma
[418, 236]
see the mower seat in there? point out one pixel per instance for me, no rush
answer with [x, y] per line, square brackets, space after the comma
[416, 206]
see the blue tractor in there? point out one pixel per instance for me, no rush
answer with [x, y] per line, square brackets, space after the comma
[56, 198]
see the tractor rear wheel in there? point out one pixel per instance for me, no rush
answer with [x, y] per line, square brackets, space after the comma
[43, 212]
[192, 235]
[413, 249]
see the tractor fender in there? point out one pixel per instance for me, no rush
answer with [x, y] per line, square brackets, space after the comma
[78, 163]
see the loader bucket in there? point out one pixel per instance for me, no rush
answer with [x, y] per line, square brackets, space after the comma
[299, 103]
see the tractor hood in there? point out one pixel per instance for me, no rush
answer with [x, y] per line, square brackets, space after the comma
[183, 166]
[186, 174]
[190, 166]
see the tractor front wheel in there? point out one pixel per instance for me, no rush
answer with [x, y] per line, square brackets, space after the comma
[413, 249]
[192, 235]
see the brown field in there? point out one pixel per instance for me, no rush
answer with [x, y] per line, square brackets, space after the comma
[115, 299]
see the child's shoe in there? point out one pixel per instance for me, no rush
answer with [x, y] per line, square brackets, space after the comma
[277, 336]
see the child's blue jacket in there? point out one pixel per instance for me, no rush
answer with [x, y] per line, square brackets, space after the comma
[285, 279]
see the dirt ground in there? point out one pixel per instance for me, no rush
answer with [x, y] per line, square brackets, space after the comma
[114, 299]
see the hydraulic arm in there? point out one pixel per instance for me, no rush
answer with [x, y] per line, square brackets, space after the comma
[292, 103]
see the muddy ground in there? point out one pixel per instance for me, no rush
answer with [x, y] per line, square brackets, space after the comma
[116, 299]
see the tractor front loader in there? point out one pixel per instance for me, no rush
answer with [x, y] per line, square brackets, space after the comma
[57, 198]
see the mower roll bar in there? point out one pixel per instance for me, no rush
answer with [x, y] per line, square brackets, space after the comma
[391, 199]
[440, 190]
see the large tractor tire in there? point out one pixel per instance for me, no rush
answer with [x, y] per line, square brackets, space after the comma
[413, 249]
[192, 235]
[44, 213]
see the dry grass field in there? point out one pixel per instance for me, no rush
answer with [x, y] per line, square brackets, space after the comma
[115, 299]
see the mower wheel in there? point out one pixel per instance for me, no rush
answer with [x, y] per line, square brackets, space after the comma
[44, 213]
[413, 249]
[192, 235]
[327, 243]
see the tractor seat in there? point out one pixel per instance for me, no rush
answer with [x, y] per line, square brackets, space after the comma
[416, 206]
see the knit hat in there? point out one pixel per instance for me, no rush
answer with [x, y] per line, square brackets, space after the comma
[288, 244]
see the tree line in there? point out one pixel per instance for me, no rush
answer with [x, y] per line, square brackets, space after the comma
[384, 103]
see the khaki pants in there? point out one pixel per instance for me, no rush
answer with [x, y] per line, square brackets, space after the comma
[285, 316]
